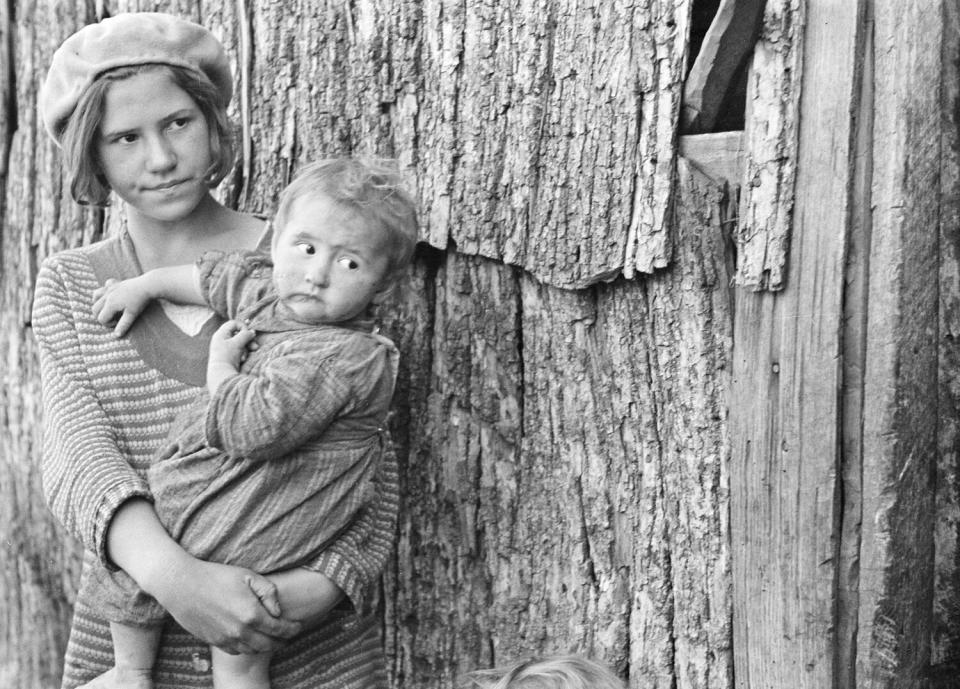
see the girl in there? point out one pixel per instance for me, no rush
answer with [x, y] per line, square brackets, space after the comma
[138, 104]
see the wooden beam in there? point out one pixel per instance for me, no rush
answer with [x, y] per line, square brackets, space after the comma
[7, 112]
[785, 395]
[945, 650]
[726, 46]
[900, 384]
[718, 156]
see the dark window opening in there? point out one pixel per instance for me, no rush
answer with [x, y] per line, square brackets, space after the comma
[722, 36]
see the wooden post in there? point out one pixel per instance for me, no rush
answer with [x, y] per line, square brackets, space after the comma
[900, 382]
[784, 402]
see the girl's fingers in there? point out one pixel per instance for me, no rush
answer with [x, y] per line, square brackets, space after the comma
[266, 591]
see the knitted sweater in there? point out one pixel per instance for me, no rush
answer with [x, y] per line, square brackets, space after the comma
[108, 404]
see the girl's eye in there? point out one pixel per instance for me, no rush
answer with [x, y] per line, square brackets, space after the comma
[349, 263]
[126, 138]
[306, 248]
[179, 123]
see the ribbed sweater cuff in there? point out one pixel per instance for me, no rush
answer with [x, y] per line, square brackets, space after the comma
[113, 497]
[343, 574]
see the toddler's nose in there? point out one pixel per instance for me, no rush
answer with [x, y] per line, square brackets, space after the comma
[317, 275]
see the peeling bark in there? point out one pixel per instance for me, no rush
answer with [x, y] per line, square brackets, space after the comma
[771, 140]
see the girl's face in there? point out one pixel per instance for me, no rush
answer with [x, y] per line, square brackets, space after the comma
[154, 146]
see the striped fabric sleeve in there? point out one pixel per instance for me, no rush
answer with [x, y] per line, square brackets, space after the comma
[229, 281]
[291, 400]
[356, 560]
[84, 475]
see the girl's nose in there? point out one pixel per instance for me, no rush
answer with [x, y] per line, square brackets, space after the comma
[160, 154]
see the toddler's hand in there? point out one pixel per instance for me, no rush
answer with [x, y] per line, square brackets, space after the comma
[125, 299]
[229, 345]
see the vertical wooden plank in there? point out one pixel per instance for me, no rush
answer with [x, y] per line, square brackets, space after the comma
[529, 530]
[784, 406]
[945, 650]
[8, 115]
[691, 327]
[771, 129]
[547, 132]
[590, 538]
[409, 320]
[900, 411]
[460, 493]
[854, 332]
[38, 566]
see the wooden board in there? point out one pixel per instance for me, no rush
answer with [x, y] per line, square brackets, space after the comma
[567, 479]
[38, 566]
[784, 403]
[900, 398]
[945, 647]
[767, 224]
[533, 135]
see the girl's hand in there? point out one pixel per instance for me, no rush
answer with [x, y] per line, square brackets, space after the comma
[124, 298]
[230, 343]
[231, 608]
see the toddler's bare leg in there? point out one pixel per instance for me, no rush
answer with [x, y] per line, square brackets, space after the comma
[135, 651]
[245, 671]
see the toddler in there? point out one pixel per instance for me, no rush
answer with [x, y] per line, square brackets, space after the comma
[555, 672]
[278, 454]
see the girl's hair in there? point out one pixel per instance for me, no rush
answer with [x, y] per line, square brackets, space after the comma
[555, 672]
[88, 184]
[371, 189]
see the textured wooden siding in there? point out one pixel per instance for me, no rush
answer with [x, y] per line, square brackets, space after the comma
[565, 481]
[772, 126]
[900, 420]
[541, 134]
[38, 572]
[945, 652]
[566, 486]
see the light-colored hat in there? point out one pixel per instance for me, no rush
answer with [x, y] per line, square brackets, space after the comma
[136, 38]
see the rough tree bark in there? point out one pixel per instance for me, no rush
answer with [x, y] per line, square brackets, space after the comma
[565, 455]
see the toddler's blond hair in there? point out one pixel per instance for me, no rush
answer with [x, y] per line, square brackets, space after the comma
[554, 672]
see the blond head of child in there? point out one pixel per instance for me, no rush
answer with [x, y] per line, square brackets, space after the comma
[554, 672]
[345, 232]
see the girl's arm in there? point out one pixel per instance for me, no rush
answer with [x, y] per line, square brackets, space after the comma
[223, 605]
[124, 300]
[358, 557]
[84, 475]
[350, 566]
[92, 489]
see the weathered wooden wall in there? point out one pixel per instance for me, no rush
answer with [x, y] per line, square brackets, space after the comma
[563, 439]
[844, 394]
[567, 488]
[945, 653]
[703, 484]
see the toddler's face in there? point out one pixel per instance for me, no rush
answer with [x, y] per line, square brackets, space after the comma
[328, 264]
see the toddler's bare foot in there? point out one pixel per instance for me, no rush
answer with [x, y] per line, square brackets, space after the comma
[122, 678]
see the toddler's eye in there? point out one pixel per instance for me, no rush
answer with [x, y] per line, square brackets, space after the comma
[349, 263]
[306, 248]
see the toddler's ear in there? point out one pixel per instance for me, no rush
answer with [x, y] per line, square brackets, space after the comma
[386, 288]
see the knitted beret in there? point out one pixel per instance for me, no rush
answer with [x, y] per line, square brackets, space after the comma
[125, 40]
